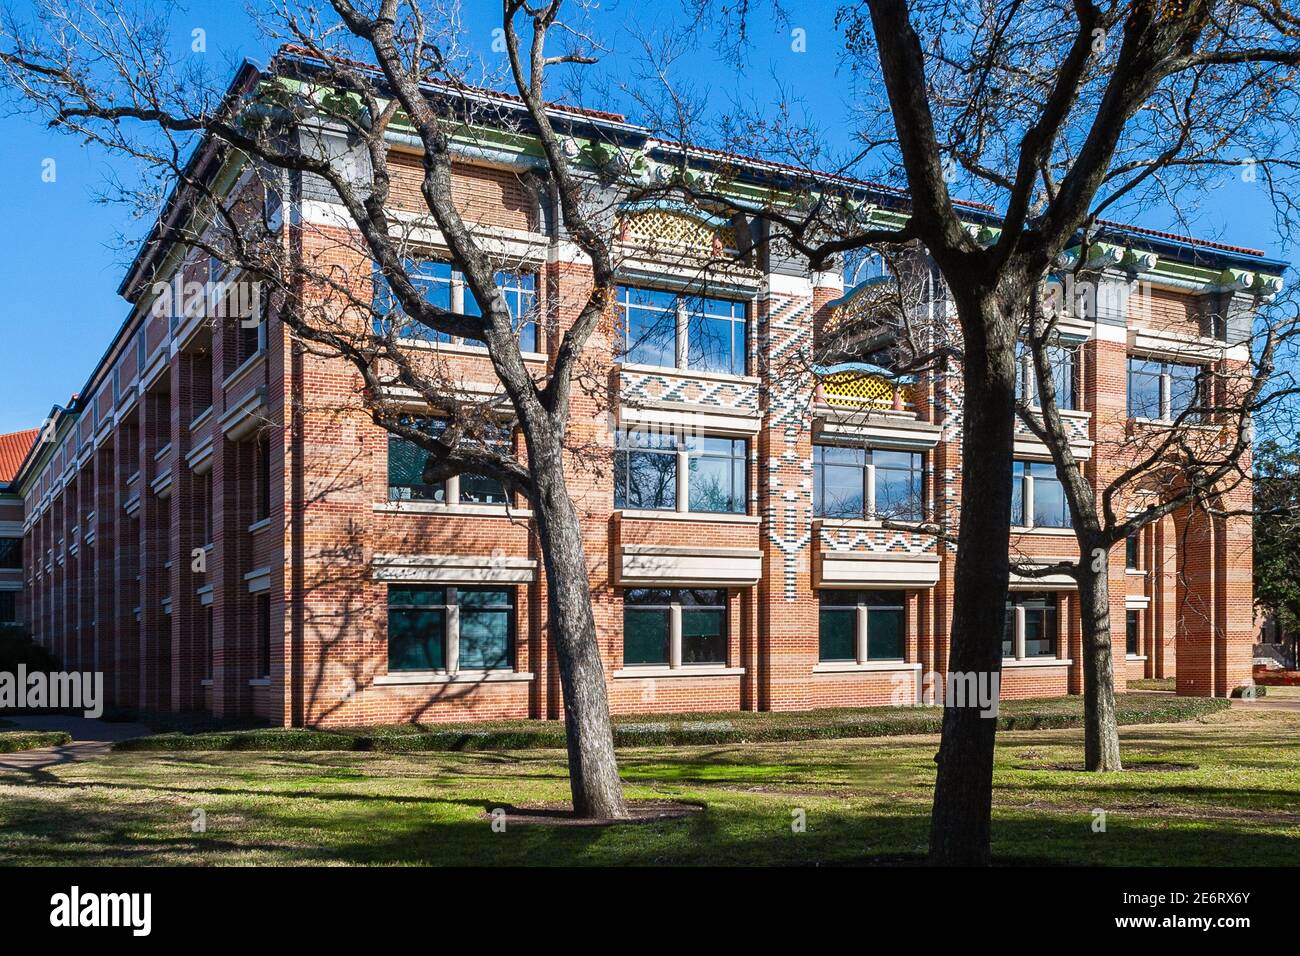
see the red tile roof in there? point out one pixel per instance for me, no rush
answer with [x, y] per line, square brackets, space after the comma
[13, 449]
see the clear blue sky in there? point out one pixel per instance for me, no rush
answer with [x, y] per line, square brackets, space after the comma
[57, 245]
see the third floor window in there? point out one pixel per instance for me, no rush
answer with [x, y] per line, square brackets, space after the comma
[1162, 390]
[444, 287]
[1062, 359]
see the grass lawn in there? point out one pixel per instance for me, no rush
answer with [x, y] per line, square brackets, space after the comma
[866, 801]
[1153, 683]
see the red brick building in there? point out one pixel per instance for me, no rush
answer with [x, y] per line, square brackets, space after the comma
[216, 523]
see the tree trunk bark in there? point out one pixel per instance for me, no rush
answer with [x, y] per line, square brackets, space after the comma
[963, 793]
[593, 766]
[1100, 726]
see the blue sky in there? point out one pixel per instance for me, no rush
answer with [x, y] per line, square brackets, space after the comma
[58, 246]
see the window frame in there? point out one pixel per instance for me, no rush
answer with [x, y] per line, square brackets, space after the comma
[676, 608]
[1166, 378]
[689, 309]
[451, 610]
[1016, 618]
[451, 487]
[870, 484]
[863, 608]
[428, 271]
[681, 450]
[1063, 359]
[1022, 472]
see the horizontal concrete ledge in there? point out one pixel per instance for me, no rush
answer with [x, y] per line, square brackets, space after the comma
[866, 667]
[686, 670]
[463, 677]
[1036, 662]
[454, 569]
[700, 516]
[438, 508]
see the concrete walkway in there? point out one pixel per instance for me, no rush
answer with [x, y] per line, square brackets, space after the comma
[90, 739]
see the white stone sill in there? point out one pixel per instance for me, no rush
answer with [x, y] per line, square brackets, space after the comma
[726, 517]
[686, 670]
[441, 677]
[438, 508]
[1135, 657]
[259, 682]
[866, 667]
[1045, 532]
[1036, 662]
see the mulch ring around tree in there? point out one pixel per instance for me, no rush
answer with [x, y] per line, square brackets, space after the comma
[1136, 766]
[560, 814]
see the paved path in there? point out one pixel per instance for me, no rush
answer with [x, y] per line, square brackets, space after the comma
[90, 739]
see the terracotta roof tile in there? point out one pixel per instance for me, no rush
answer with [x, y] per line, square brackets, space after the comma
[13, 449]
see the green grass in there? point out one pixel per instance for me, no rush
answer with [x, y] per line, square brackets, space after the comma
[13, 741]
[865, 801]
[674, 730]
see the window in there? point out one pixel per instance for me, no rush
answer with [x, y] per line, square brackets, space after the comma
[264, 635]
[520, 292]
[673, 330]
[1163, 390]
[406, 463]
[1131, 632]
[209, 644]
[867, 483]
[443, 286]
[1131, 552]
[861, 626]
[645, 471]
[1030, 629]
[716, 478]
[8, 607]
[1037, 496]
[262, 477]
[450, 629]
[1061, 358]
[11, 553]
[206, 507]
[672, 627]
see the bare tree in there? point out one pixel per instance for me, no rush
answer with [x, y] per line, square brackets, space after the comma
[102, 72]
[1053, 115]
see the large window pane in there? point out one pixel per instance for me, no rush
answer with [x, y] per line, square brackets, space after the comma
[717, 474]
[432, 280]
[1050, 509]
[417, 628]
[898, 485]
[486, 624]
[646, 626]
[837, 633]
[704, 636]
[1131, 631]
[1018, 494]
[885, 634]
[520, 292]
[406, 462]
[645, 471]
[1143, 388]
[1184, 389]
[839, 476]
[715, 335]
[649, 322]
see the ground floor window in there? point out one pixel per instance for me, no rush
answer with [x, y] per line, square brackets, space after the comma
[209, 644]
[1030, 629]
[8, 607]
[264, 635]
[1131, 631]
[450, 629]
[674, 626]
[860, 626]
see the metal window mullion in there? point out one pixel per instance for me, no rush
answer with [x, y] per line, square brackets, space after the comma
[1020, 632]
[453, 490]
[863, 619]
[683, 482]
[453, 632]
[1027, 499]
[869, 476]
[675, 635]
[680, 340]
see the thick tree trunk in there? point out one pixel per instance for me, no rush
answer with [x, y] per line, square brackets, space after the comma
[1100, 727]
[963, 793]
[593, 766]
